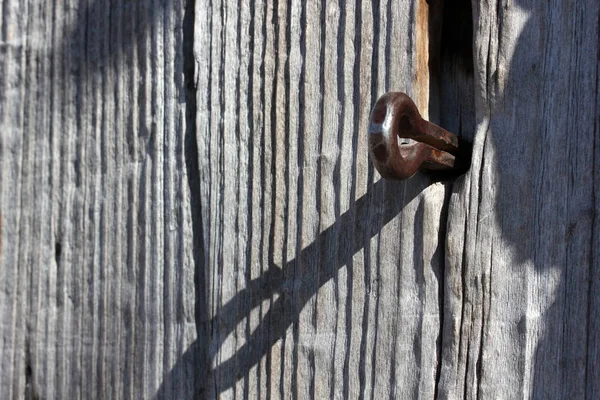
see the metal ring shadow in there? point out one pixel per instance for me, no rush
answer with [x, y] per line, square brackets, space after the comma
[286, 309]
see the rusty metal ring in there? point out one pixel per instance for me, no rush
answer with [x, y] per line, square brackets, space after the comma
[401, 141]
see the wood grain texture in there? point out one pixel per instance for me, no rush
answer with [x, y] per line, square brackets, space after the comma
[324, 281]
[521, 280]
[97, 296]
[201, 222]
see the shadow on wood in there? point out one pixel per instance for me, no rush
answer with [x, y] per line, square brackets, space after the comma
[544, 148]
[285, 310]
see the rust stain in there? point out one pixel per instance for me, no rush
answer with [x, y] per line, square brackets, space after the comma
[422, 76]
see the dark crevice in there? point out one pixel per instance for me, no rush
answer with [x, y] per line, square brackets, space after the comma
[452, 96]
[30, 390]
[455, 73]
[440, 255]
[193, 177]
[452, 106]
[30, 393]
[57, 252]
[457, 35]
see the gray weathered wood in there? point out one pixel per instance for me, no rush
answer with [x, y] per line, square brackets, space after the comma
[97, 293]
[324, 281]
[194, 222]
[521, 310]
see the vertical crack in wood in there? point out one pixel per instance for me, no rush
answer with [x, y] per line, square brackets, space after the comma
[457, 114]
[193, 176]
[445, 93]
[30, 391]
[428, 32]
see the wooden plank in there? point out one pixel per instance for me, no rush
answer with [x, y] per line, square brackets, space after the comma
[522, 248]
[324, 281]
[97, 295]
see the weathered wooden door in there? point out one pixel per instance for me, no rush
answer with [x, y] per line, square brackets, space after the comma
[188, 209]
